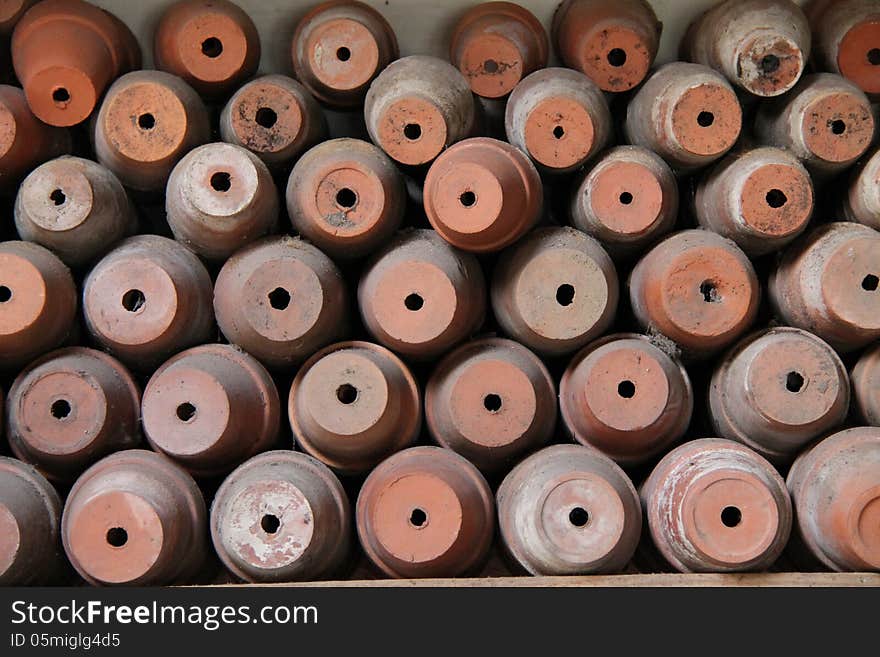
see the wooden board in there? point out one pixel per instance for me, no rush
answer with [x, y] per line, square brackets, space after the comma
[630, 581]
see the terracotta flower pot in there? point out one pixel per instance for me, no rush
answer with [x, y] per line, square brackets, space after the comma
[497, 44]
[761, 198]
[339, 48]
[626, 397]
[778, 390]
[147, 299]
[71, 408]
[686, 113]
[38, 299]
[66, 53]
[30, 521]
[761, 46]
[352, 405]
[212, 44]
[696, 288]
[426, 512]
[826, 121]
[220, 198]
[555, 291]
[492, 401]
[418, 106]
[135, 519]
[281, 299]
[569, 510]
[210, 408]
[281, 517]
[275, 118]
[827, 283]
[716, 506]
[76, 208]
[559, 118]
[613, 42]
[482, 195]
[835, 487]
[627, 200]
[346, 197]
[419, 296]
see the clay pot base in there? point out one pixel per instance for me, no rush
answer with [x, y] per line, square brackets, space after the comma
[858, 56]
[706, 119]
[776, 200]
[770, 66]
[412, 131]
[627, 198]
[838, 127]
[730, 517]
[559, 133]
[706, 292]
[145, 122]
[616, 59]
[116, 536]
[353, 54]
[212, 47]
[266, 118]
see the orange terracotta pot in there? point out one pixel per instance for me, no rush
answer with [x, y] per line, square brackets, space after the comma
[835, 487]
[220, 198]
[74, 207]
[281, 299]
[825, 121]
[148, 120]
[38, 299]
[275, 118]
[497, 44]
[761, 198]
[716, 506]
[686, 113]
[559, 118]
[696, 288]
[66, 53]
[281, 517]
[360, 44]
[419, 296]
[569, 510]
[627, 200]
[25, 141]
[827, 283]
[417, 107]
[135, 519]
[352, 405]
[626, 397]
[761, 46]
[346, 197]
[555, 291]
[210, 408]
[482, 195]
[71, 408]
[492, 401]
[147, 299]
[212, 44]
[862, 200]
[845, 38]
[613, 42]
[30, 522]
[426, 512]
[778, 390]
[866, 386]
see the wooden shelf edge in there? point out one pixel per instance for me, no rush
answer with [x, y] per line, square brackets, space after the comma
[664, 580]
